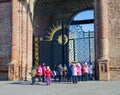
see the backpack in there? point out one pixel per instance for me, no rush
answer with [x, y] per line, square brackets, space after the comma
[54, 73]
[39, 72]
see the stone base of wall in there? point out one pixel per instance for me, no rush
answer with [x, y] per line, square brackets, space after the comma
[104, 70]
[4, 68]
[114, 73]
[18, 72]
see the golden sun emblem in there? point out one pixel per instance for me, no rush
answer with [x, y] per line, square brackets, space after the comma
[62, 41]
[52, 30]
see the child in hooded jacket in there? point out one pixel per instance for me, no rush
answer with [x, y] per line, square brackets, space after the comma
[33, 74]
[39, 72]
[48, 75]
[85, 69]
[79, 71]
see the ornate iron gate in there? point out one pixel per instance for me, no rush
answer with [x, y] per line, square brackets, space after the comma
[81, 44]
[65, 45]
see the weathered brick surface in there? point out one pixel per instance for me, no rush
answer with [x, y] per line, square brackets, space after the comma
[3, 1]
[5, 29]
[115, 74]
[21, 42]
[16, 32]
[114, 38]
[5, 36]
[16, 41]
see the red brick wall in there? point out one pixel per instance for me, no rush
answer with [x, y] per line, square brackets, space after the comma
[5, 37]
[21, 58]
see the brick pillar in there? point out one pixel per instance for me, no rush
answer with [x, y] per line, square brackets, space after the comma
[103, 59]
[22, 34]
[15, 42]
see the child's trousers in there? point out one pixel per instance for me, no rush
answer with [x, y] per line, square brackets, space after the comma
[48, 81]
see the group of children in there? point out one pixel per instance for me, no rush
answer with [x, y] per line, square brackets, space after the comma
[79, 72]
[73, 73]
[41, 72]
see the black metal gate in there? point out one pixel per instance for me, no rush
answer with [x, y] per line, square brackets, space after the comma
[81, 44]
[66, 44]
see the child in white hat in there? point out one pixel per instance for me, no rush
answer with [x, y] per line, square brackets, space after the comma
[48, 75]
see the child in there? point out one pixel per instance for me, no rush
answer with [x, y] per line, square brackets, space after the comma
[39, 72]
[74, 73]
[33, 74]
[43, 72]
[85, 69]
[79, 71]
[48, 74]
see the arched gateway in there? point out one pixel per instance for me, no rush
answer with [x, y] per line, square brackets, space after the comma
[40, 33]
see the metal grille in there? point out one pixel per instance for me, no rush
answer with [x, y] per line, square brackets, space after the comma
[81, 44]
[48, 7]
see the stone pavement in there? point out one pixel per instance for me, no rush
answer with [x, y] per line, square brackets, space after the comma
[63, 88]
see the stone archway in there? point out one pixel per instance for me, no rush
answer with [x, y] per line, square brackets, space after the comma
[44, 12]
[47, 12]
[45, 16]
[54, 10]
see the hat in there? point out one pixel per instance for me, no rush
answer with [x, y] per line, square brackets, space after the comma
[48, 67]
[43, 64]
[64, 65]
[33, 67]
[85, 63]
[78, 64]
[73, 62]
[60, 65]
[90, 63]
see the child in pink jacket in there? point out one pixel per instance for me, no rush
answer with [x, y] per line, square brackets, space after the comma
[86, 70]
[79, 72]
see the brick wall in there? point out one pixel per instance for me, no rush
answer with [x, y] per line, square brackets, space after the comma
[114, 38]
[3, 1]
[21, 56]
[5, 37]
[21, 43]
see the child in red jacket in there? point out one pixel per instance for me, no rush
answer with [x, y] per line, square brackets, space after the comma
[48, 75]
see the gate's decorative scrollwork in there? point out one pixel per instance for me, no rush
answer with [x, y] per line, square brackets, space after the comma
[53, 29]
